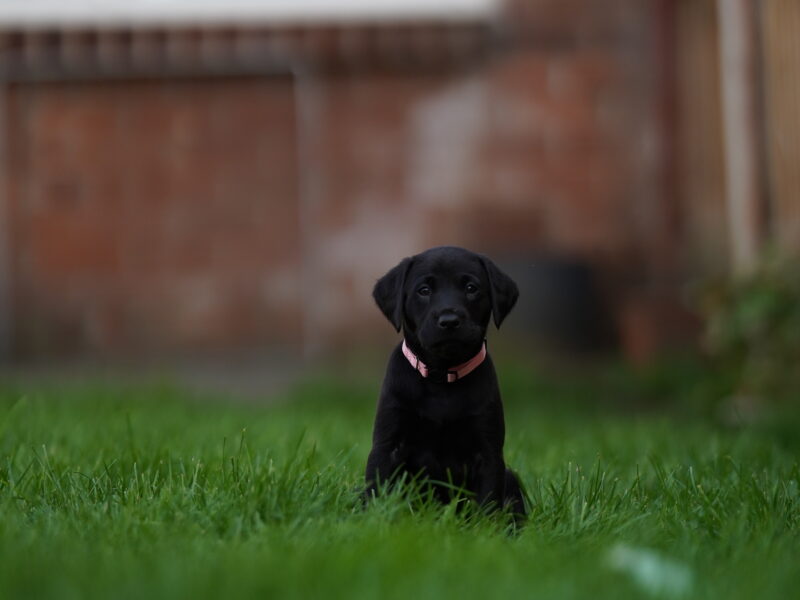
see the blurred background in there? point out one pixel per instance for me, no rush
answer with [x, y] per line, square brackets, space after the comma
[222, 182]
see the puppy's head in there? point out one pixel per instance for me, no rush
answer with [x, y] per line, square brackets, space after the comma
[443, 299]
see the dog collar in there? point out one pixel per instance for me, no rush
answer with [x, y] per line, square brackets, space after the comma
[454, 373]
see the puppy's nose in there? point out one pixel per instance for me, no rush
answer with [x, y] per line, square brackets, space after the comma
[449, 321]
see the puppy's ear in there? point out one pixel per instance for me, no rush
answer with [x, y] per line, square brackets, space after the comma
[388, 293]
[502, 291]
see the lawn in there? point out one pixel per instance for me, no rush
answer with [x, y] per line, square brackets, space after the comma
[147, 491]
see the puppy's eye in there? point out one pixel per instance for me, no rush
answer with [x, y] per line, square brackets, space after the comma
[472, 288]
[424, 291]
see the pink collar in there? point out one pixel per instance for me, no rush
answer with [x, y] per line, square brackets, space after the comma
[453, 374]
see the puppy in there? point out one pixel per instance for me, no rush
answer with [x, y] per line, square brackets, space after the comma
[439, 415]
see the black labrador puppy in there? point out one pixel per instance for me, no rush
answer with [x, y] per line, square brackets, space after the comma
[439, 415]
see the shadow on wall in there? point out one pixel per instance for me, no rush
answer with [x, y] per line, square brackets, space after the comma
[561, 308]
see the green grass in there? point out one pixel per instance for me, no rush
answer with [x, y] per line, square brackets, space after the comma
[146, 492]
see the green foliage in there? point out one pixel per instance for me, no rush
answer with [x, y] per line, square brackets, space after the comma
[148, 493]
[753, 331]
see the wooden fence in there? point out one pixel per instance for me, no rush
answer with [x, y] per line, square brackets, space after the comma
[738, 85]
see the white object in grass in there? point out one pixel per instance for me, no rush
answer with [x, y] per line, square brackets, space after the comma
[654, 573]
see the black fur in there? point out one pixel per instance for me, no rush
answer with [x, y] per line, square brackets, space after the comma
[443, 300]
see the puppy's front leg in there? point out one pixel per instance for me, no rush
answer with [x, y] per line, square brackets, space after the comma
[489, 480]
[386, 457]
[382, 465]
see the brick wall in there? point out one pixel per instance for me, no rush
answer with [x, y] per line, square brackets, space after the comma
[153, 216]
[172, 215]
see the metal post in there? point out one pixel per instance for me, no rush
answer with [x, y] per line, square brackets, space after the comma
[740, 132]
[6, 318]
[308, 96]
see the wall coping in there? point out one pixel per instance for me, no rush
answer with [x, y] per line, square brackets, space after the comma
[45, 14]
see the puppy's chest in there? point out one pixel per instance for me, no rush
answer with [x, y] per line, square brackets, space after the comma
[448, 406]
[455, 438]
